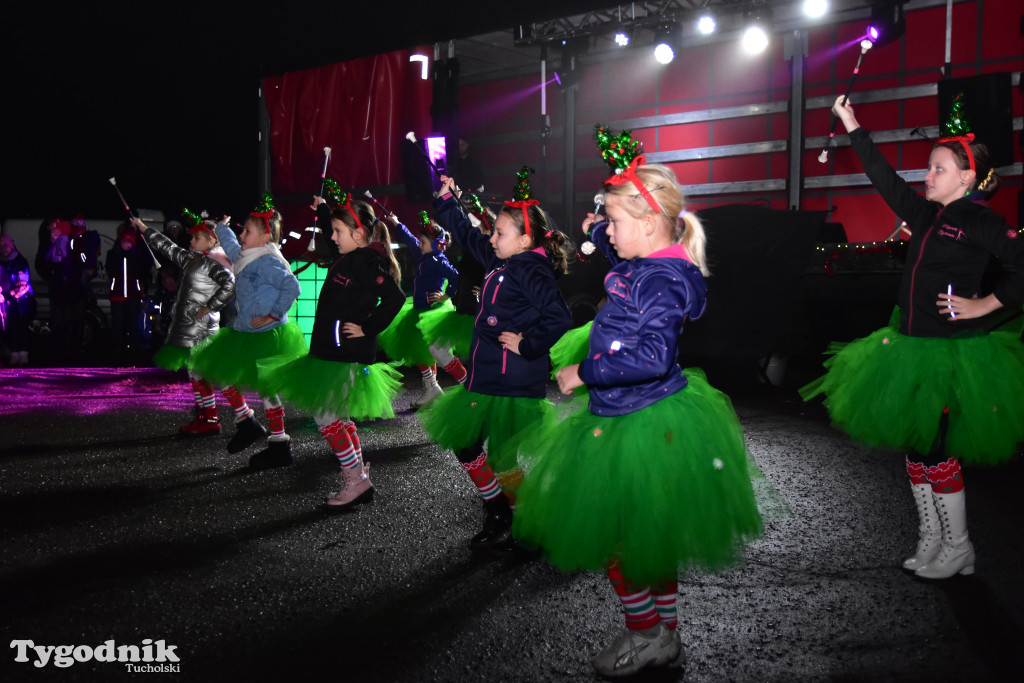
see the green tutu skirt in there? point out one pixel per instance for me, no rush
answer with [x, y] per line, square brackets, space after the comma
[889, 390]
[460, 418]
[441, 325]
[572, 348]
[353, 390]
[663, 488]
[402, 340]
[171, 357]
[231, 358]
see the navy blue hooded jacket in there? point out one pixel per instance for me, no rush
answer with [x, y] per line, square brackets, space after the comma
[518, 295]
[431, 271]
[631, 362]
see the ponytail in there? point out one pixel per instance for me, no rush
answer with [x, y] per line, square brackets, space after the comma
[360, 216]
[552, 241]
[690, 234]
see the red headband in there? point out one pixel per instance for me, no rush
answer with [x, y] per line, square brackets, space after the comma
[630, 175]
[964, 140]
[266, 215]
[202, 226]
[524, 204]
[359, 223]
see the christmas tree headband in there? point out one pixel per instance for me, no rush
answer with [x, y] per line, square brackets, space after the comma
[433, 232]
[523, 200]
[264, 209]
[196, 223]
[332, 191]
[957, 129]
[624, 154]
[477, 207]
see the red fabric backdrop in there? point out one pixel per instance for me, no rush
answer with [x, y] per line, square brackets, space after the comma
[361, 109]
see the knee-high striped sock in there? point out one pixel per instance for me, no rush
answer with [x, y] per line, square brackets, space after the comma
[636, 602]
[197, 392]
[350, 427]
[275, 420]
[483, 477]
[426, 372]
[237, 401]
[665, 602]
[207, 397]
[456, 370]
[341, 444]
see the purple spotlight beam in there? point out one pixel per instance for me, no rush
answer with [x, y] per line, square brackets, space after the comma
[872, 34]
[557, 79]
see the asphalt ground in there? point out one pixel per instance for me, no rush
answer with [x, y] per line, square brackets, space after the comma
[112, 528]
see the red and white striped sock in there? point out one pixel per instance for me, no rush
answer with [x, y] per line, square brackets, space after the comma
[207, 397]
[636, 602]
[350, 427]
[916, 472]
[457, 370]
[483, 477]
[426, 372]
[946, 477]
[337, 435]
[238, 403]
[665, 603]
[275, 420]
[197, 393]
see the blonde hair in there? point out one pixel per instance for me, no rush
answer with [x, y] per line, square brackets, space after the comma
[661, 182]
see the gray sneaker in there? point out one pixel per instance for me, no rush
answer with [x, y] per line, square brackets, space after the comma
[634, 651]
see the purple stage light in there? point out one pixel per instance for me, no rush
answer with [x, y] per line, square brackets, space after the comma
[557, 79]
[872, 33]
[437, 151]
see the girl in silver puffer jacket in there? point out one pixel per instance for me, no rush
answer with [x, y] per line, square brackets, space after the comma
[207, 285]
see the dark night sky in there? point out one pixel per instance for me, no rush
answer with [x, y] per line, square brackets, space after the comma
[163, 95]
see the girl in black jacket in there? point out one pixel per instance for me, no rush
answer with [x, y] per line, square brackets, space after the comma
[934, 382]
[339, 380]
[521, 315]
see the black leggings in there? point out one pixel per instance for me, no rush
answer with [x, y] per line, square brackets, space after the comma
[937, 454]
[471, 452]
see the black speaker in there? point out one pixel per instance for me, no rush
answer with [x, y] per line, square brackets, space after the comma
[986, 106]
[416, 173]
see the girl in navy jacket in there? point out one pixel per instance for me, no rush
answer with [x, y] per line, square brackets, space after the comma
[339, 379]
[403, 340]
[521, 315]
[934, 382]
[654, 476]
[264, 291]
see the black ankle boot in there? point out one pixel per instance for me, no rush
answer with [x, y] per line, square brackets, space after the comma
[511, 549]
[497, 524]
[247, 432]
[276, 454]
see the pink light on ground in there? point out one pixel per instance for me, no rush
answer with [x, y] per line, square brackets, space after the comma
[93, 391]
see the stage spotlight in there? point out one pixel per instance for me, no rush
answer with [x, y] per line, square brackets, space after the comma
[872, 34]
[755, 36]
[665, 36]
[622, 38]
[664, 53]
[887, 21]
[815, 9]
[755, 40]
[706, 25]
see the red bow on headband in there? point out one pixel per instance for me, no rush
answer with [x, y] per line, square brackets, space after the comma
[265, 215]
[524, 204]
[630, 174]
[964, 141]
